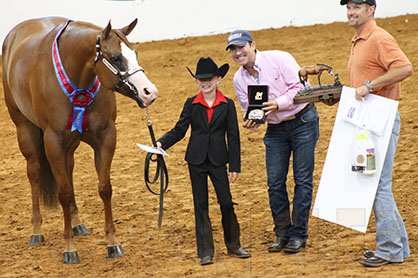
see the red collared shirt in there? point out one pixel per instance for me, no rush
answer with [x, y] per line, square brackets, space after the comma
[219, 98]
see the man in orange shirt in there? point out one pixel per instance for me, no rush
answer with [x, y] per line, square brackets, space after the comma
[377, 65]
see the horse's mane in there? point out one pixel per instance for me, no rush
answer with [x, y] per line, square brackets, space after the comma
[323, 65]
[120, 35]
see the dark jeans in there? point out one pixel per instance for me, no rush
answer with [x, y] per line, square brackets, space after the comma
[297, 136]
[219, 177]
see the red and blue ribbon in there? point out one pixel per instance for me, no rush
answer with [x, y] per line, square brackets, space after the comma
[79, 98]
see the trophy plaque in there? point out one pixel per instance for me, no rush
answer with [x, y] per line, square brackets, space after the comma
[257, 94]
[317, 93]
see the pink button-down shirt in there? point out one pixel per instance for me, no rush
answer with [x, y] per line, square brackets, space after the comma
[279, 71]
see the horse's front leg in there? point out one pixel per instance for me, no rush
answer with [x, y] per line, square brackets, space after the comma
[103, 155]
[302, 79]
[58, 158]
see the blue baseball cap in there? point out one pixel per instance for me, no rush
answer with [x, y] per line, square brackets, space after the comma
[239, 38]
[370, 2]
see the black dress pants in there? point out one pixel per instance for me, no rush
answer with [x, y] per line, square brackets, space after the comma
[219, 177]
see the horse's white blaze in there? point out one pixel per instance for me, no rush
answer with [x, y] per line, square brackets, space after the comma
[130, 56]
[146, 89]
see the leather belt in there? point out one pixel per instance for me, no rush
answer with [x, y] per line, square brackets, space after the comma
[301, 112]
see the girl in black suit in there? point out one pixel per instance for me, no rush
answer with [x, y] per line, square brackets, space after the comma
[211, 116]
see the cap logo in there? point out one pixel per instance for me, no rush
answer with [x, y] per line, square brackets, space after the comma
[235, 36]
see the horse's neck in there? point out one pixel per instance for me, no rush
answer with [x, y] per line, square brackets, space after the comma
[77, 51]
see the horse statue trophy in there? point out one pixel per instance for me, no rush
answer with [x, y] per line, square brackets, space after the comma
[47, 65]
[317, 93]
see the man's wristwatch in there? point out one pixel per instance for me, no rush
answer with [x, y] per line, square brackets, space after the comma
[367, 84]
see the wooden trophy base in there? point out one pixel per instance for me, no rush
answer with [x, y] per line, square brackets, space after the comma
[314, 94]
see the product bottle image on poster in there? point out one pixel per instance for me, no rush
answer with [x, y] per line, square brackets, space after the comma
[370, 157]
[364, 160]
[359, 163]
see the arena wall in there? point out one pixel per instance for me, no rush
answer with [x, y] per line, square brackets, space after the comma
[170, 19]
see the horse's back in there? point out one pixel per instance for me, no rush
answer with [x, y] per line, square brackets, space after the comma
[28, 34]
[23, 49]
[25, 40]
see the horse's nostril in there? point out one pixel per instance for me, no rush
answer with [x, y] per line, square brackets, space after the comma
[146, 92]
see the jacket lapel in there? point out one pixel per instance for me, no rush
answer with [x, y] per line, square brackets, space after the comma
[217, 111]
[204, 114]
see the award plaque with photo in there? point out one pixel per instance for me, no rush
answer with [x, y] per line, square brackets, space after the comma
[257, 94]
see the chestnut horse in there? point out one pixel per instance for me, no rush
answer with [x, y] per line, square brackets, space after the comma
[313, 70]
[45, 63]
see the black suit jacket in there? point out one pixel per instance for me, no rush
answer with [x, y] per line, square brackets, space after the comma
[208, 140]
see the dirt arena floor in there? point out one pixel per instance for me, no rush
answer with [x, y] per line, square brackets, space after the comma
[170, 251]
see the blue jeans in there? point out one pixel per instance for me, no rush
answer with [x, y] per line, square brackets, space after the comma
[297, 136]
[391, 237]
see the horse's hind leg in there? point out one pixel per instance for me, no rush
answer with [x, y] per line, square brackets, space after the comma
[30, 142]
[103, 155]
[54, 147]
[79, 228]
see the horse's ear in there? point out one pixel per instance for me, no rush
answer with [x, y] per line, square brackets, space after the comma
[107, 30]
[126, 30]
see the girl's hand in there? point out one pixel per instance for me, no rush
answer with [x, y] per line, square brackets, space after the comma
[233, 176]
[159, 145]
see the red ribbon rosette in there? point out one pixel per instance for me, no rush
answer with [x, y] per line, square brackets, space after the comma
[78, 117]
[82, 98]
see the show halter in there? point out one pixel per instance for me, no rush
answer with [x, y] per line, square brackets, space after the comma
[79, 98]
[123, 76]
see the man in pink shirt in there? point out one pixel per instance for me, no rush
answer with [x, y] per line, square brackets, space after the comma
[290, 129]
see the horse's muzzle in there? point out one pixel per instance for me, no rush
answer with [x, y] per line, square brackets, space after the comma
[148, 94]
[149, 97]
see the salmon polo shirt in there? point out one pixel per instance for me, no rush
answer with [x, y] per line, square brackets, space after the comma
[209, 110]
[373, 53]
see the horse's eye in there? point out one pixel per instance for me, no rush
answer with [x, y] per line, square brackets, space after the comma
[116, 59]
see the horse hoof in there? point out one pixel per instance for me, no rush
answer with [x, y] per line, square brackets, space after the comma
[71, 257]
[36, 239]
[80, 230]
[115, 251]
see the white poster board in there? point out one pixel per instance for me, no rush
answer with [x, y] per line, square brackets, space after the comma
[345, 197]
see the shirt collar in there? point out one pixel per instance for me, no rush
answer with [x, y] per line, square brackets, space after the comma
[365, 34]
[219, 98]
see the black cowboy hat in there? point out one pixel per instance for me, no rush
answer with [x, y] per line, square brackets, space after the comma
[206, 68]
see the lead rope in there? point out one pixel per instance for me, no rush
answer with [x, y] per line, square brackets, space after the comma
[160, 172]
